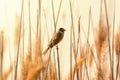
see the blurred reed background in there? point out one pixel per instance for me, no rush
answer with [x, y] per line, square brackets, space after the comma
[88, 51]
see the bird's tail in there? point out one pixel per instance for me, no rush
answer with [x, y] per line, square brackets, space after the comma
[45, 51]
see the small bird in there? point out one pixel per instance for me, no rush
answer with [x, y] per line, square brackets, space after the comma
[56, 38]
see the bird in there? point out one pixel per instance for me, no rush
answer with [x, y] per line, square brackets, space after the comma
[56, 38]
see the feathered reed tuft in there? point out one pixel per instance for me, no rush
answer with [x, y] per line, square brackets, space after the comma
[116, 43]
[37, 51]
[6, 74]
[91, 57]
[79, 65]
[34, 71]
[101, 43]
[101, 36]
[25, 66]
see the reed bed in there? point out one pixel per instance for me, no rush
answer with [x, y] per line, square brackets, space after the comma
[96, 61]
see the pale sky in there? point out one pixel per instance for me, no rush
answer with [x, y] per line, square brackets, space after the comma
[9, 9]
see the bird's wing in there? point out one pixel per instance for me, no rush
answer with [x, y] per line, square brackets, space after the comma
[54, 37]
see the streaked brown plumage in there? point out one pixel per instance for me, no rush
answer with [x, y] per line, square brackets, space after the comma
[56, 38]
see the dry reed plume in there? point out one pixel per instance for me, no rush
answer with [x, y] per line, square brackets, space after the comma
[34, 71]
[117, 49]
[116, 43]
[25, 67]
[100, 40]
[37, 51]
[101, 46]
[90, 57]
[6, 74]
[29, 70]
[79, 65]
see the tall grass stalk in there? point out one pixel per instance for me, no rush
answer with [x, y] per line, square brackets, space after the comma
[17, 57]
[79, 34]
[1, 54]
[77, 48]
[58, 13]
[88, 41]
[108, 31]
[56, 20]
[58, 61]
[30, 36]
[23, 42]
[39, 20]
[113, 40]
[118, 59]
[55, 25]
[53, 16]
[55, 65]
[71, 31]
[47, 66]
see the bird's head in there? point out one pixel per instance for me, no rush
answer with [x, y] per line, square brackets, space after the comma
[62, 29]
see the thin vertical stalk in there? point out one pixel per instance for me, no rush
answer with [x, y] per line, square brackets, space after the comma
[118, 61]
[55, 25]
[71, 53]
[76, 52]
[50, 69]
[46, 24]
[39, 35]
[37, 29]
[71, 28]
[30, 42]
[108, 28]
[74, 46]
[86, 69]
[39, 20]
[53, 17]
[94, 36]
[47, 66]
[91, 19]
[88, 41]
[79, 34]
[58, 13]
[58, 59]
[10, 62]
[56, 21]
[23, 36]
[90, 49]
[78, 40]
[55, 65]
[113, 41]
[1, 54]
[17, 57]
